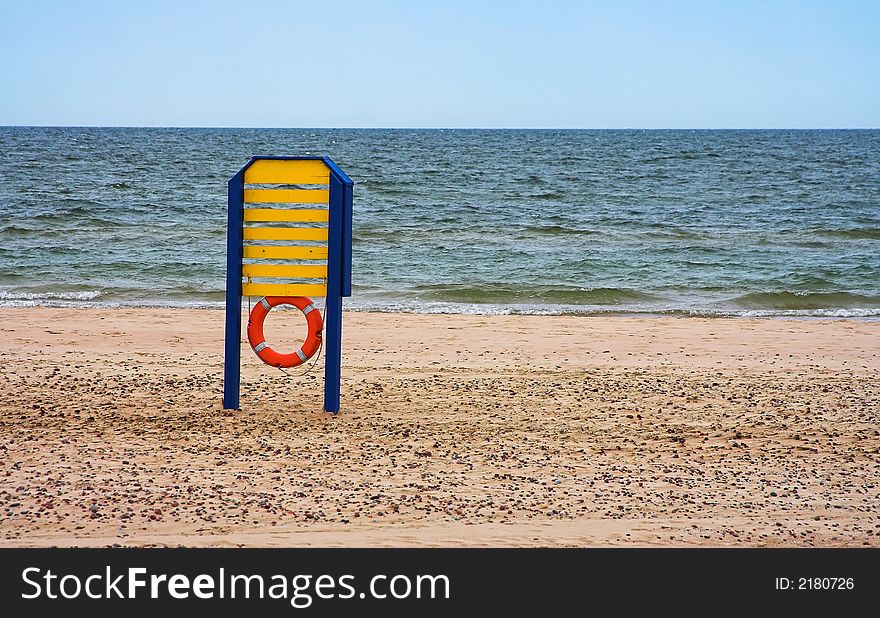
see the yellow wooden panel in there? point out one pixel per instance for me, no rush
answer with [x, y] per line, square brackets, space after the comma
[293, 172]
[290, 271]
[298, 215]
[287, 196]
[285, 233]
[283, 289]
[286, 253]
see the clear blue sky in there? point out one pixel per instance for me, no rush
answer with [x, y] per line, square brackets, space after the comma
[449, 63]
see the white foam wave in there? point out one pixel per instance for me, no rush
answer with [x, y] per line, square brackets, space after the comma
[855, 312]
[6, 295]
[549, 309]
[89, 298]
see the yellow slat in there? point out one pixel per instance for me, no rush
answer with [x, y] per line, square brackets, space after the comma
[286, 253]
[298, 215]
[287, 196]
[283, 289]
[290, 271]
[285, 233]
[295, 172]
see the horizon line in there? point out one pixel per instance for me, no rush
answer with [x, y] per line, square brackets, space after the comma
[428, 128]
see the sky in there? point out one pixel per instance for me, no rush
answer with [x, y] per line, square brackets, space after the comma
[449, 63]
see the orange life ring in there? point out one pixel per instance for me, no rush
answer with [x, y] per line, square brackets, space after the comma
[258, 340]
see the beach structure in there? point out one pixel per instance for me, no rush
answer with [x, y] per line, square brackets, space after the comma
[288, 239]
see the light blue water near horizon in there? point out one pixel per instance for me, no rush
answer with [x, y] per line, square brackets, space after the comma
[738, 222]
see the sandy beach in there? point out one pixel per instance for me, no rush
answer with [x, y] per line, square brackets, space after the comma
[455, 431]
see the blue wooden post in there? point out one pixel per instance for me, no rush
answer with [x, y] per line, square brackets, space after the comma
[232, 359]
[338, 280]
[333, 310]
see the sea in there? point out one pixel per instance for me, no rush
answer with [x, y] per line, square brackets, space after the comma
[631, 222]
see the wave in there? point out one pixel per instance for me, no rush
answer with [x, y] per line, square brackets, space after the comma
[863, 233]
[534, 180]
[680, 156]
[187, 296]
[6, 295]
[812, 244]
[559, 230]
[662, 231]
[864, 313]
[806, 300]
[546, 195]
[510, 294]
[84, 224]
[804, 282]
[360, 304]
[525, 309]
[19, 230]
[76, 215]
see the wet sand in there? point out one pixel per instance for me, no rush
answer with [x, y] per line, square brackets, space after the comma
[455, 430]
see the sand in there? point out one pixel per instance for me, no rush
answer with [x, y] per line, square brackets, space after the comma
[455, 431]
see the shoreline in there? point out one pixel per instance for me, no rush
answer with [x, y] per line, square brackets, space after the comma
[868, 314]
[455, 430]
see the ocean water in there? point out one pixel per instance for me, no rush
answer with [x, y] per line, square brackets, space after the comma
[473, 221]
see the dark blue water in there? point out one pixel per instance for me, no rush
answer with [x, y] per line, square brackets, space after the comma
[719, 222]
